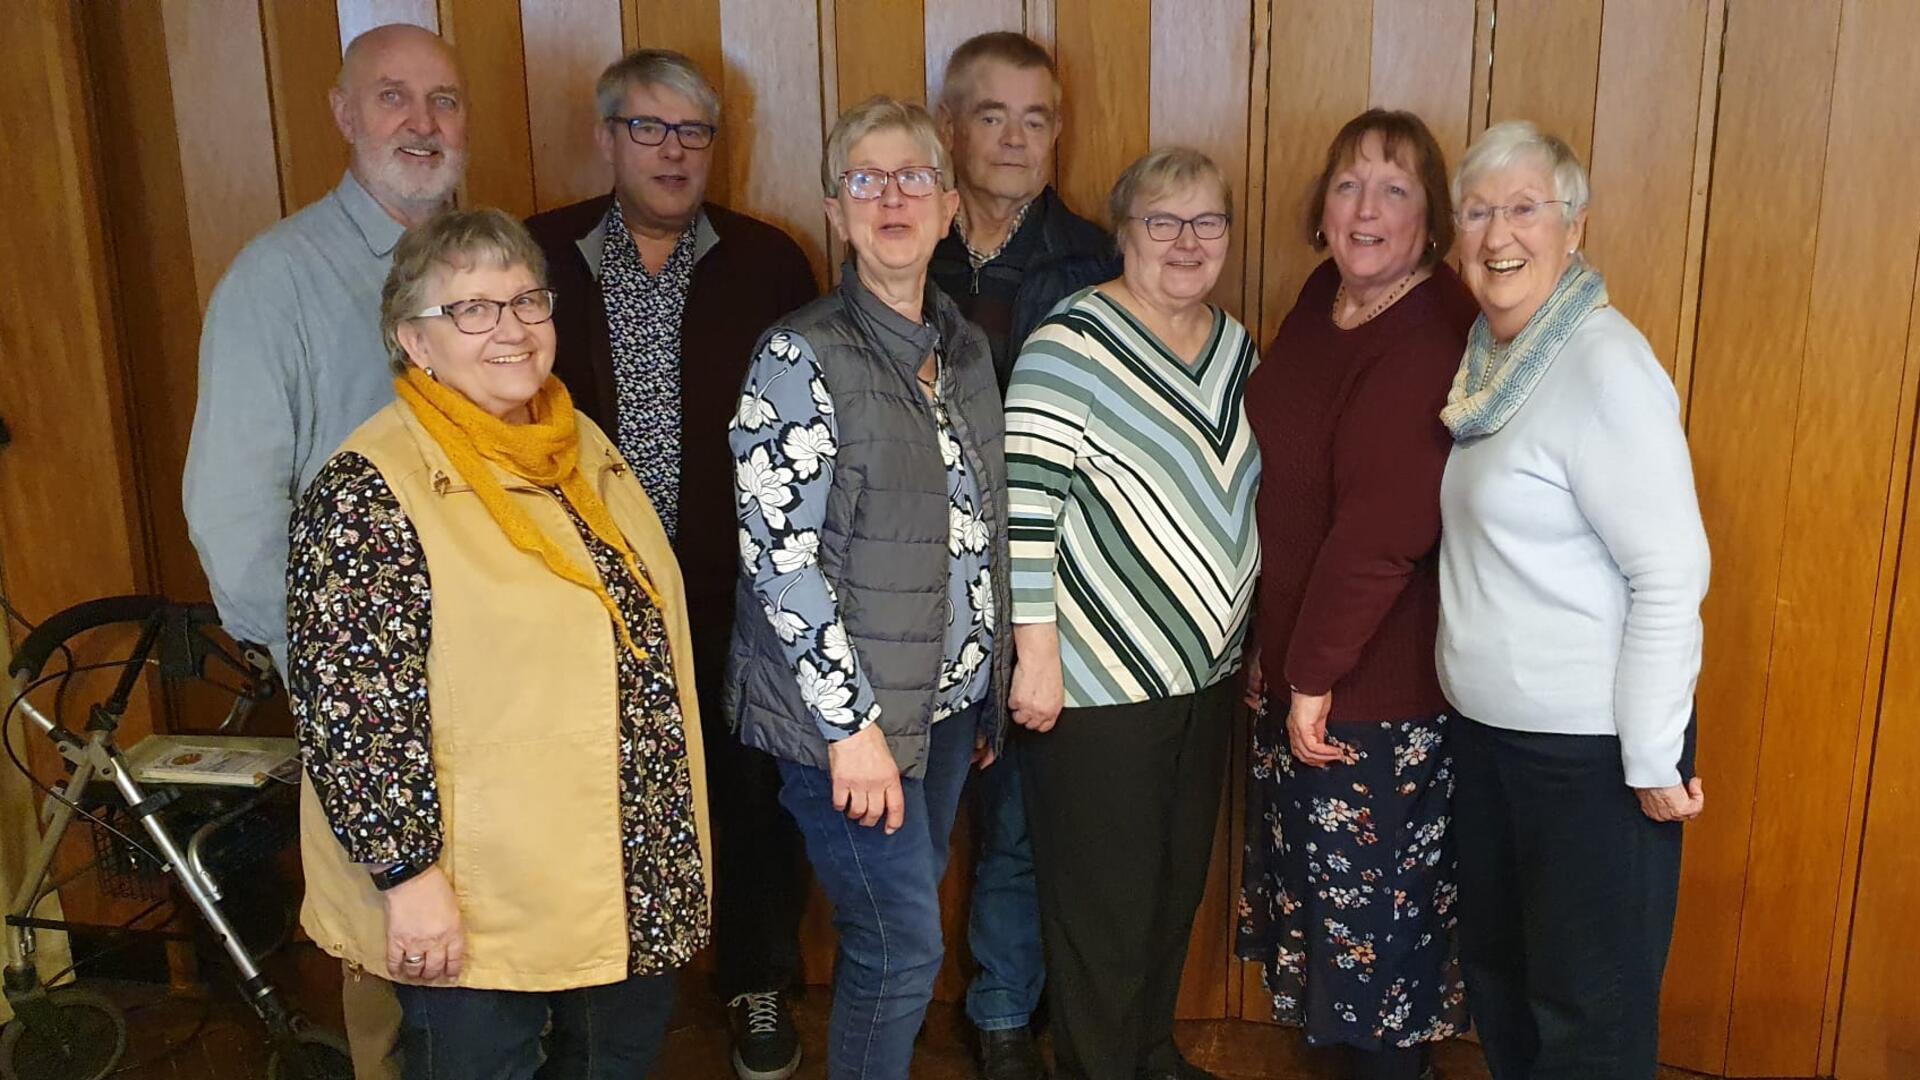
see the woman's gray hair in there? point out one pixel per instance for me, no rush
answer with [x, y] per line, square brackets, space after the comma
[1169, 168]
[1508, 143]
[452, 240]
[881, 113]
[655, 67]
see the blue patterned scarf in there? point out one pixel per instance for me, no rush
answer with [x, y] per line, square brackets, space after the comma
[1492, 385]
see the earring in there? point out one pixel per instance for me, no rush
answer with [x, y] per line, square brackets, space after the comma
[429, 372]
[1319, 238]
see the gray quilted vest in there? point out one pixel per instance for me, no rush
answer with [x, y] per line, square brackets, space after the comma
[884, 545]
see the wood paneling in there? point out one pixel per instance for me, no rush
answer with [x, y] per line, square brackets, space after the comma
[950, 22]
[1642, 161]
[1547, 55]
[1104, 51]
[569, 43]
[485, 35]
[1207, 114]
[1423, 61]
[881, 49]
[1775, 90]
[1318, 80]
[303, 59]
[1843, 448]
[775, 118]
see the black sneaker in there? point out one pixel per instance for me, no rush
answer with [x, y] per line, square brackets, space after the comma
[1010, 1055]
[766, 1046]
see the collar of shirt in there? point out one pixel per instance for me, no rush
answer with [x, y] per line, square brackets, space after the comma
[705, 239]
[980, 259]
[377, 227]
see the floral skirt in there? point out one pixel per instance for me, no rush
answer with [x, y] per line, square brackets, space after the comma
[1348, 897]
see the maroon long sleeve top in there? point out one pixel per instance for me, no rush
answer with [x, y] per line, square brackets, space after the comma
[1352, 446]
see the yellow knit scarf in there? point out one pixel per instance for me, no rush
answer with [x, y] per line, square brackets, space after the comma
[545, 452]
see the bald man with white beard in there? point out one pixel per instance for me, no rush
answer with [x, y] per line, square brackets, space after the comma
[291, 362]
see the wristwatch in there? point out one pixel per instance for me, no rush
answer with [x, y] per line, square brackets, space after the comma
[397, 874]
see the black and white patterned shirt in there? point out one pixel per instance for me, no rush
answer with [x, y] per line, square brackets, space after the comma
[643, 327]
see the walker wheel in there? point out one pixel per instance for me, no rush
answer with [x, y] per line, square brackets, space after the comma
[316, 1054]
[87, 1045]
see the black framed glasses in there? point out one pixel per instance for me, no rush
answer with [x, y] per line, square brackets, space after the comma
[480, 315]
[1519, 215]
[1166, 228]
[652, 131]
[916, 181]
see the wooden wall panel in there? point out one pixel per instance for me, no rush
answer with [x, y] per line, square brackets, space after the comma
[485, 34]
[1843, 448]
[775, 119]
[1775, 89]
[1423, 61]
[881, 49]
[303, 60]
[1547, 54]
[1642, 160]
[569, 43]
[691, 27]
[356, 17]
[1321, 56]
[950, 22]
[1879, 1021]
[1103, 49]
[225, 128]
[1208, 114]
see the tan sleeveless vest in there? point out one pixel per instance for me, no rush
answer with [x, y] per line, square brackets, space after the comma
[525, 719]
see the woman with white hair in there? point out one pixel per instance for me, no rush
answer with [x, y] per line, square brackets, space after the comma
[1572, 566]
[1132, 471]
[869, 650]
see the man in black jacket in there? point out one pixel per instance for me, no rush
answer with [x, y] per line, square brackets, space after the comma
[1014, 252]
[662, 296]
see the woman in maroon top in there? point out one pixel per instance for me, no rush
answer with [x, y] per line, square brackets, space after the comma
[1349, 889]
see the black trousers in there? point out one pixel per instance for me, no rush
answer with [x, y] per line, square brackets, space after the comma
[760, 866]
[1567, 895]
[1121, 805]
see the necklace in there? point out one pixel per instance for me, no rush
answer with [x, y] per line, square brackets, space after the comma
[1385, 302]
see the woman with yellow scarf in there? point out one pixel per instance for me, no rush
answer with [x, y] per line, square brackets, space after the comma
[505, 810]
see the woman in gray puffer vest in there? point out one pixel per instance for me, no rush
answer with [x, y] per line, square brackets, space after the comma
[871, 647]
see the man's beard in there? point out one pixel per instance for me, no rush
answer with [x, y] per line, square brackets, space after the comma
[393, 180]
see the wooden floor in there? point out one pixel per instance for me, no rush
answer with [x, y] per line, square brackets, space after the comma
[229, 1046]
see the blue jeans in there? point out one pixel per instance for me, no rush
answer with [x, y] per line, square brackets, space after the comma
[609, 1032]
[885, 892]
[1003, 931]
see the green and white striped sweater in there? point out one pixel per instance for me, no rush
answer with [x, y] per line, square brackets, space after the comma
[1132, 478]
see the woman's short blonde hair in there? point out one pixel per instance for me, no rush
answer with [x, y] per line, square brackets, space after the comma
[881, 113]
[451, 240]
[1508, 143]
[1167, 169]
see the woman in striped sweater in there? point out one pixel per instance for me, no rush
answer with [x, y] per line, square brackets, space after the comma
[1131, 473]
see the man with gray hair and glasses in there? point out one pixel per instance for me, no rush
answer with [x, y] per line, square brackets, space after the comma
[291, 362]
[663, 296]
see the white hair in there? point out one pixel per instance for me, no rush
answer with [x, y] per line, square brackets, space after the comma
[881, 113]
[654, 67]
[1506, 144]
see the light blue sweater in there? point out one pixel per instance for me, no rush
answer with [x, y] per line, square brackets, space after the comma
[1573, 560]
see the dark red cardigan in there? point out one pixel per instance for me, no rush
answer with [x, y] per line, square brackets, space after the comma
[755, 276]
[1352, 449]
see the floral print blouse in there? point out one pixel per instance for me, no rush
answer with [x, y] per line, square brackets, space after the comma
[785, 436]
[359, 619]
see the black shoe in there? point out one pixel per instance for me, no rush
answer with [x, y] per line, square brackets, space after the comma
[1010, 1054]
[1186, 1071]
[766, 1046]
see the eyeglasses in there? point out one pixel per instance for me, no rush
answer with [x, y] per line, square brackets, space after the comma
[1166, 228]
[1519, 215]
[652, 131]
[480, 316]
[916, 181]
